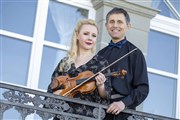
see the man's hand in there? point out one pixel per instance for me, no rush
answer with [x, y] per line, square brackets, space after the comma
[116, 107]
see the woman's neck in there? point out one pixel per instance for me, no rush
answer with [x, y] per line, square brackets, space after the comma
[83, 57]
[84, 53]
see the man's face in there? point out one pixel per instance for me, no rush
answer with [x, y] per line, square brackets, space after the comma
[117, 27]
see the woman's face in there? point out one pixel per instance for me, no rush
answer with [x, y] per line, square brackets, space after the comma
[87, 37]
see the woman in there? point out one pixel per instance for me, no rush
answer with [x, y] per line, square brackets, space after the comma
[81, 57]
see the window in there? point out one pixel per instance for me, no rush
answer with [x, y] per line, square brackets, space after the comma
[36, 30]
[17, 23]
[169, 8]
[18, 13]
[61, 21]
[51, 56]
[163, 47]
[15, 60]
[162, 95]
[163, 60]
[34, 36]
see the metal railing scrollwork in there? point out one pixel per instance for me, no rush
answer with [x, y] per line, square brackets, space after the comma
[47, 106]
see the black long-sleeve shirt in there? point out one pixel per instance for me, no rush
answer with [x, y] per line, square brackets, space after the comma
[134, 85]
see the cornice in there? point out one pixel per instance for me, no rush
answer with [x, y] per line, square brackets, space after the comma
[129, 6]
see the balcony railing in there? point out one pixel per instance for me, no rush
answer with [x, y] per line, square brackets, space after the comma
[28, 101]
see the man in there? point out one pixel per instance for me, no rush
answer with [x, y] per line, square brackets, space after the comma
[131, 89]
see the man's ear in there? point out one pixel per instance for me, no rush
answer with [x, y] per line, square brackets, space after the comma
[106, 25]
[129, 25]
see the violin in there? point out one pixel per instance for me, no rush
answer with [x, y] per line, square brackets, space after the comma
[83, 83]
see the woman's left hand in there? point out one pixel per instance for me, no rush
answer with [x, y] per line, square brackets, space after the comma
[100, 79]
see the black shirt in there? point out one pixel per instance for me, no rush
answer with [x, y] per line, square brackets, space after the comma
[96, 64]
[134, 85]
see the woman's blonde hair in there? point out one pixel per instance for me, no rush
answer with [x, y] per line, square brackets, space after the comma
[73, 51]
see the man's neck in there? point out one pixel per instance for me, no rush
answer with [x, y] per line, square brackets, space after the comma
[117, 40]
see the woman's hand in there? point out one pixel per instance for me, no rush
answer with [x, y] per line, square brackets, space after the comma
[100, 79]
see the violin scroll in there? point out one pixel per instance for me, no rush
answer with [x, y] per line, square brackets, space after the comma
[120, 73]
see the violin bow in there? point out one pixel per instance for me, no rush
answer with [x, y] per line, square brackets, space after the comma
[100, 71]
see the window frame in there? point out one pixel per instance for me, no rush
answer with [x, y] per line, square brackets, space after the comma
[38, 38]
[169, 26]
[39, 34]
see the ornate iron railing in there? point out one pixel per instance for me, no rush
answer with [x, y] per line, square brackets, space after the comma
[28, 101]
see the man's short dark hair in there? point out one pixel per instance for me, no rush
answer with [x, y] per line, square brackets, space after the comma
[117, 10]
